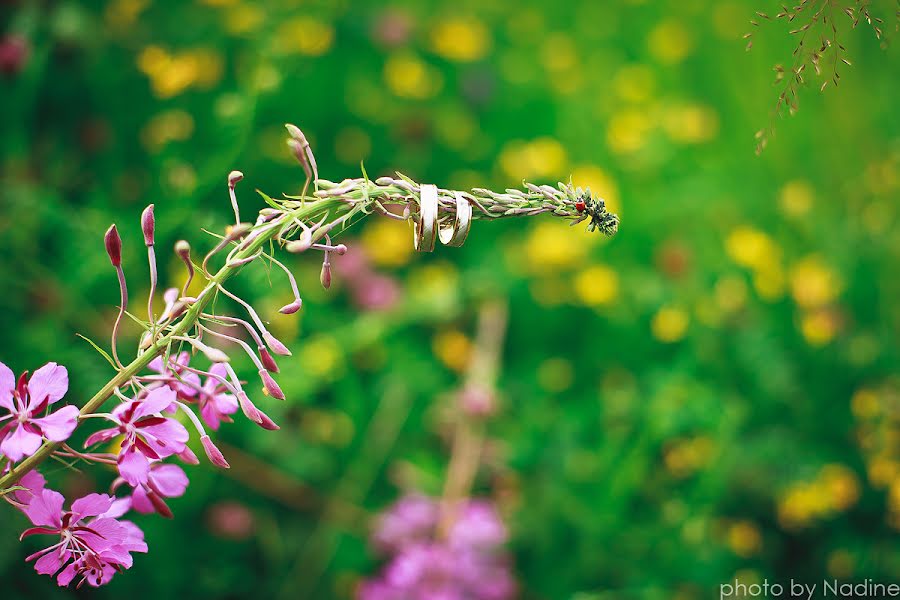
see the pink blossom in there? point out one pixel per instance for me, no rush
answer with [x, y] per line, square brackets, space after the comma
[215, 404]
[179, 379]
[148, 436]
[22, 434]
[163, 481]
[92, 545]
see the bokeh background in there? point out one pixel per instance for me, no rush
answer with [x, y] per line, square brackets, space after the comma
[712, 394]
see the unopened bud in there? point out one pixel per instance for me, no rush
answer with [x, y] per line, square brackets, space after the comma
[271, 388]
[295, 132]
[275, 344]
[159, 504]
[213, 454]
[289, 309]
[325, 275]
[301, 244]
[267, 423]
[148, 224]
[113, 245]
[299, 152]
[183, 250]
[234, 177]
[236, 232]
[188, 457]
[267, 360]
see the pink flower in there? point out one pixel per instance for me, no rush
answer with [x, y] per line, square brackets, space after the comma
[215, 404]
[93, 549]
[163, 481]
[148, 436]
[175, 370]
[24, 401]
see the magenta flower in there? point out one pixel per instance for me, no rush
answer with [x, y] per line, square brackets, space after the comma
[163, 481]
[179, 379]
[467, 564]
[215, 404]
[93, 549]
[411, 519]
[148, 436]
[22, 434]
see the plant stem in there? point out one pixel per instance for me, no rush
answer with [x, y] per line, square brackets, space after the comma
[311, 210]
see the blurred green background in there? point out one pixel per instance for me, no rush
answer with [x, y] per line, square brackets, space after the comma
[712, 394]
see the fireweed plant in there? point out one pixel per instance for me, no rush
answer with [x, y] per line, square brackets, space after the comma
[87, 541]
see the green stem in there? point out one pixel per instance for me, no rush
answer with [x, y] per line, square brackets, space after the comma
[310, 211]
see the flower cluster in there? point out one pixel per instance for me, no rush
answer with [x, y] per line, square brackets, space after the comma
[430, 558]
[163, 381]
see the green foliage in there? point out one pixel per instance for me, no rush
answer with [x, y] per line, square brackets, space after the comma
[712, 393]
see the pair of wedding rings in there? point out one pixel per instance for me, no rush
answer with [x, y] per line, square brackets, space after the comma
[427, 228]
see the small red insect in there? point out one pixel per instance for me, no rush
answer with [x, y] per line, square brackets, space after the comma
[579, 206]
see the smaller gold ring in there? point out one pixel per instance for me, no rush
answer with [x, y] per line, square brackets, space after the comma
[456, 234]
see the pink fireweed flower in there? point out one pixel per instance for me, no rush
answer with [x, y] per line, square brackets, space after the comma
[92, 545]
[148, 436]
[24, 429]
[163, 481]
[179, 379]
[215, 404]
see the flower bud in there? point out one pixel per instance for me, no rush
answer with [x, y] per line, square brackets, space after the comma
[183, 250]
[267, 423]
[188, 457]
[271, 388]
[113, 245]
[213, 454]
[267, 360]
[299, 152]
[301, 244]
[295, 132]
[234, 177]
[275, 344]
[325, 275]
[159, 505]
[148, 225]
[289, 309]
[248, 408]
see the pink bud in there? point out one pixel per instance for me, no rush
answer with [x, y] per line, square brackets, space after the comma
[267, 360]
[159, 505]
[289, 309]
[234, 177]
[267, 423]
[250, 411]
[325, 275]
[113, 245]
[188, 457]
[340, 249]
[270, 386]
[213, 453]
[276, 346]
[477, 401]
[148, 224]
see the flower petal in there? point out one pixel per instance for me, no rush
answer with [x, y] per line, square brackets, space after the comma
[7, 385]
[133, 466]
[58, 426]
[157, 400]
[91, 506]
[45, 509]
[168, 480]
[20, 443]
[49, 383]
[104, 435]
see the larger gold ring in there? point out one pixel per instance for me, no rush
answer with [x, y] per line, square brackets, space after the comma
[425, 227]
[456, 234]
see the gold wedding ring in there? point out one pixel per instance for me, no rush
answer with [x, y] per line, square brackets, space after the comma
[455, 234]
[425, 228]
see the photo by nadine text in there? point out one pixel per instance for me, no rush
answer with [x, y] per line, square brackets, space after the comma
[827, 588]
